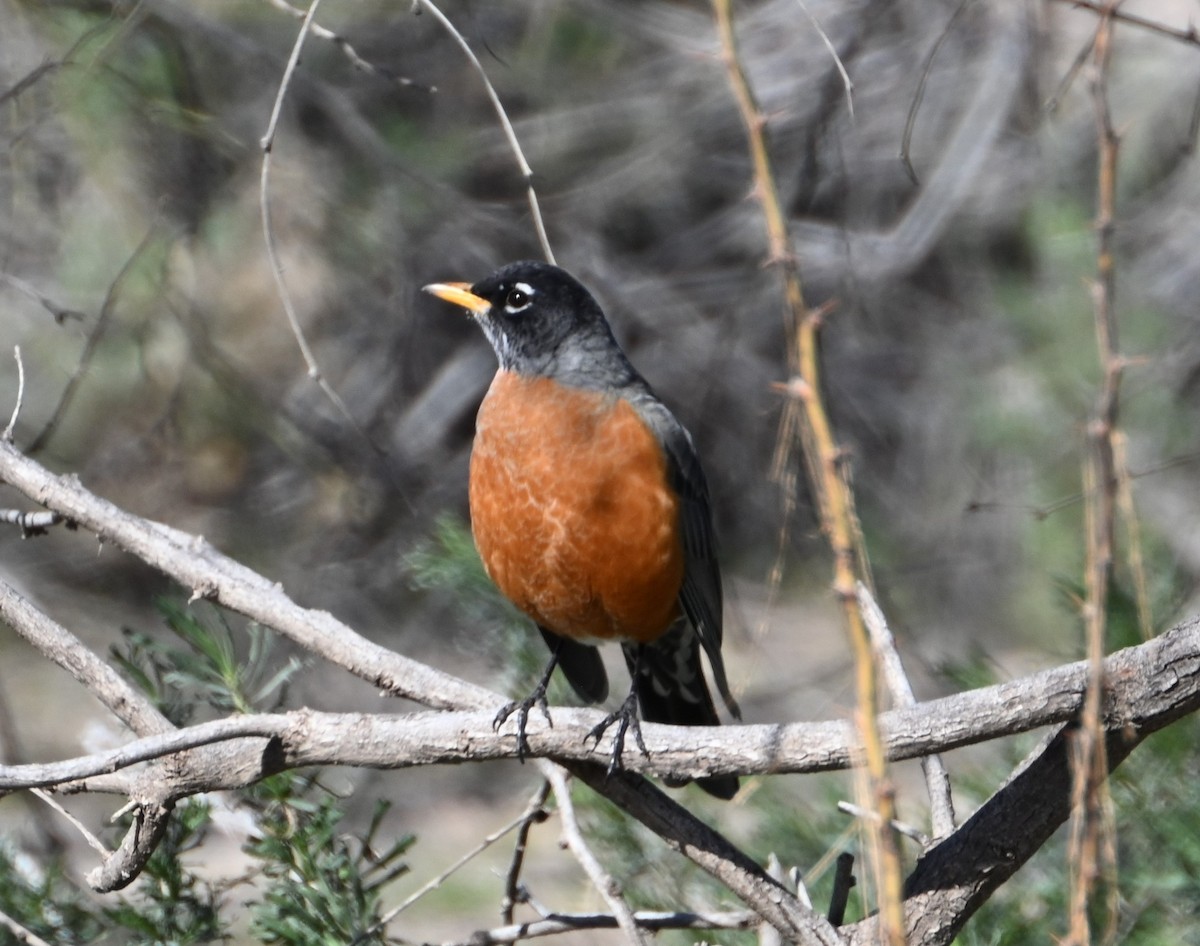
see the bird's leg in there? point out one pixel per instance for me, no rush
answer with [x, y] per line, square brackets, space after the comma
[522, 707]
[626, 718]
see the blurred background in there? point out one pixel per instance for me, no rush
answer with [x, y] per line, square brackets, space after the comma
[960, 360]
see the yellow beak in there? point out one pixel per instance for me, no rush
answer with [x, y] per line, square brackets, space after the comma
[460, 294]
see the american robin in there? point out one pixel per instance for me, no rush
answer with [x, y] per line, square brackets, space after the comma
[589, 507]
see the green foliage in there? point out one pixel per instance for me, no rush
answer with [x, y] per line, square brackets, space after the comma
[43, 901]
[321, 884]
[447, 561]
[322, 887]
[209, 670]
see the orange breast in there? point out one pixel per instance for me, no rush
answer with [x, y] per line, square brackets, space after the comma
[571, 511]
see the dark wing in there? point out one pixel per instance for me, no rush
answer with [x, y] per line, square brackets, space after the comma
[700, 595]
[581, 665]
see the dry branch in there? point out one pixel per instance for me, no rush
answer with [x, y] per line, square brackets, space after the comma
[575, 842]
[92, 343]
[937, 779]
[805, 415]
[652, 921]
[1148, 687]
[1091, 847]
[1187, 34]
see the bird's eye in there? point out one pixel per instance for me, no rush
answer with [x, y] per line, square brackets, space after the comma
[518, 299]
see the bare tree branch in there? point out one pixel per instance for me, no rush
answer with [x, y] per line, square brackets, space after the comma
[352, 54]
[60, 313]
[1187, 34]
[1149, 686]
[958, 875]
[652, 921]
[535, 813]
[937, 780]
[16, 411]
[65, 649]
[93, 341]
[264, 199]
[601, 879]
[510, 133]
[522, 821]
[51, 802]
[19, 933]
[197, 566]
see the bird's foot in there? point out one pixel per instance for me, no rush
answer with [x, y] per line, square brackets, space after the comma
[521, 708]
[625, 718]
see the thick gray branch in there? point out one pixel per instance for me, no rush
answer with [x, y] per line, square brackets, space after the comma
[1149, 685]
[65, 649]
[196, 565]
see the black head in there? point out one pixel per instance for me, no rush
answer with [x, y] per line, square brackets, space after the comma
[541, 321]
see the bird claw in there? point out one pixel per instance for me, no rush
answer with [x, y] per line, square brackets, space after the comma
[625, 719]
[521, 708]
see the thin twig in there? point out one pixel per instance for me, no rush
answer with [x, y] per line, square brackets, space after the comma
[509, 133]
[264, 200]
[1133, 534]
[847, 84]
[919, 95]
[534, 813]
[92, 343]
[652, 921]
[524, 818]
[94, 842]
[1090, 836]
[61, 313]
[909, 831]
[1189, 35]
[825, 461]
[1068, 78]
[601, 879]
[20, 933]
[349, 51]
[16, 412]
[937, 780]
[1047, 510]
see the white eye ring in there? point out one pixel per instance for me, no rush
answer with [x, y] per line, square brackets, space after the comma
[519, 298]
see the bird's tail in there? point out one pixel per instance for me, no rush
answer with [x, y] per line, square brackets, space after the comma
[669, 680]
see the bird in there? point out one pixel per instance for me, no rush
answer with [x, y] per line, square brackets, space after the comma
[590, 509]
